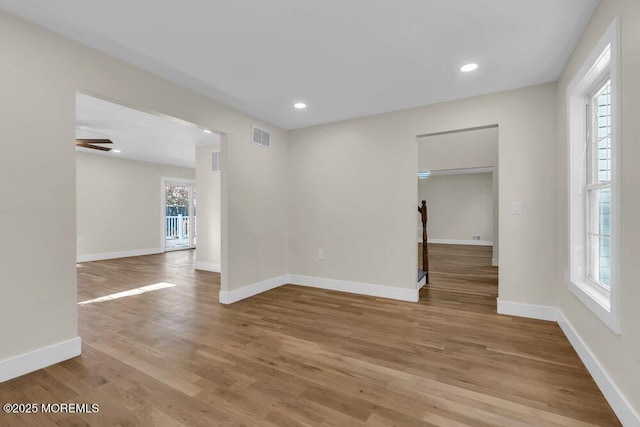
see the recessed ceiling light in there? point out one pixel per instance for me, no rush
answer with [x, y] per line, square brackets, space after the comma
[116, 151]
[207, 131]
[300, 105]
[468, 67]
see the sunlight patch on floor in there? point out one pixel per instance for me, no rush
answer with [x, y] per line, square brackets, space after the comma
[131, 292]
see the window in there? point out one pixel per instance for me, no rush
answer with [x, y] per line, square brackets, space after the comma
[593, 170]
[598, 187]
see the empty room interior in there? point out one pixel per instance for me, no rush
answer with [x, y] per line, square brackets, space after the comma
[214, 213]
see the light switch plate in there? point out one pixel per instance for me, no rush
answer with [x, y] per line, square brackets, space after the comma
[516, 208]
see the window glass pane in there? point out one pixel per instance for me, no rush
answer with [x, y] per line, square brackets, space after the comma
[604, 212]
[602, 140]
[605, 261]
[599, 235]
[593, 219]
[600, 259]
[593, 257]
[599, 216]
[599, 211]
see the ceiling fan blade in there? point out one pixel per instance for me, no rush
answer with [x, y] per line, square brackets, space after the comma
[89, 143]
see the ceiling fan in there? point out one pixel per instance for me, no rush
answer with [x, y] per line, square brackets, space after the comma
[91, 143]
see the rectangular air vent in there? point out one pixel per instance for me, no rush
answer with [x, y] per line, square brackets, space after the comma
[215, 161]
[260, 137]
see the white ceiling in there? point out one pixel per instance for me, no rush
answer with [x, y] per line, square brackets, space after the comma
[343, 58]
[139, 135]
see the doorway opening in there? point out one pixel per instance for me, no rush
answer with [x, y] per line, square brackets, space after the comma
[180, 213]
[123, 155]
[458, 176]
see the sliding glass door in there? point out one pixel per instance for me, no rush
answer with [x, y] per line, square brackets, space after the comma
[179, 215]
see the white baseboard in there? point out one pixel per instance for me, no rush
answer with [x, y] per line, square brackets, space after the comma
[540, 312]
[229, 297]
[422, 282]
[113, 255]
[460, 242]
[38, 359]
[620, 405]
[618, 402]
[494, 262]
[355, 287]
[207, 266]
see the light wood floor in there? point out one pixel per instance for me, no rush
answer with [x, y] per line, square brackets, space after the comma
[297, 356]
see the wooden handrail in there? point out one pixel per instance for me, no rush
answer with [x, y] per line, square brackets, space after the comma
[425, 250]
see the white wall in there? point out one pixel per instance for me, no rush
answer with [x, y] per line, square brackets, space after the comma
[118, 204]
[459, 150]
[353, 192]
[618, 355]
[209, 199]
[459, 206]
[39, 76]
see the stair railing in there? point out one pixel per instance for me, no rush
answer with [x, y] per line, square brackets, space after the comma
[425, 250]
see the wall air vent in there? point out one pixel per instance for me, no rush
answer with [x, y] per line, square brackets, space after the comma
[215, 161]
[260, 137]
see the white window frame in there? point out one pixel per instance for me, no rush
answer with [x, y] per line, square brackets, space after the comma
[602, 63]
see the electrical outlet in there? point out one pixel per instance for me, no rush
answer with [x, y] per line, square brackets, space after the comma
[320, 254]
[475, 237]
[80, 239]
